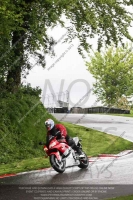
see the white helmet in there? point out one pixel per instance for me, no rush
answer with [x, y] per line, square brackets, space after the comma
[49, 123]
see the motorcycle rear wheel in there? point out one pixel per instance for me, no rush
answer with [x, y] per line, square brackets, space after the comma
[57, 166]
[83, 162]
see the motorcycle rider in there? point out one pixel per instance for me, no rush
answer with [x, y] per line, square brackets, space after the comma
[60, 132]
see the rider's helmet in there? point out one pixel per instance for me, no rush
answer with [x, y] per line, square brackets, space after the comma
[49, 123]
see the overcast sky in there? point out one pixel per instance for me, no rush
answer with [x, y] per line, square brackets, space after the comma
[65, 72]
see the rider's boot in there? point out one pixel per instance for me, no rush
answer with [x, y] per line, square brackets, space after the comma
[80, 153]
[78, 150]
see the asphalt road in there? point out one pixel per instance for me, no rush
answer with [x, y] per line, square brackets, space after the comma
[114, 170]
[115, 125]
[104, 178]
[109, 177]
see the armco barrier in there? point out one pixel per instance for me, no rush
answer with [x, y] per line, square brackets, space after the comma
[99, 109]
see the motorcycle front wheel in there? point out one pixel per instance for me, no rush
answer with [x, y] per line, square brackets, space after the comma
[83, 161]
[56, 164]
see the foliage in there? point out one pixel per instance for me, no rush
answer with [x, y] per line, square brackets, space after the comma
[123, 103]
[91, 143]
[113, 71]
[27, 89]
[24, 32]
[110, 19]
[25, 24]
[22, 125]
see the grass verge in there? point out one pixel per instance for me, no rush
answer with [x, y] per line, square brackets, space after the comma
[94, 143]
[123, 115]
[129, 197]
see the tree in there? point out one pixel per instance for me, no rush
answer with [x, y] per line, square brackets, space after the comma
[113, 71]
[25, 23]
[123, 103]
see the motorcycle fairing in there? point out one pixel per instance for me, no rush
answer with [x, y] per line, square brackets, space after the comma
[61, 147]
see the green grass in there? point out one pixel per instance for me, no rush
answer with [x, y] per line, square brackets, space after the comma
[94, 143]
[130, 197]
[22, 128]
[123, 115]
[24, 165]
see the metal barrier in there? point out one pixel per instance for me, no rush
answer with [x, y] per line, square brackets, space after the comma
[99, 109]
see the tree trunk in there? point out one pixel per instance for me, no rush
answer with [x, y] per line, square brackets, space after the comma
[14, 72]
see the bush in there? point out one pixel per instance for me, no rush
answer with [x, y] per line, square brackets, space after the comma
[22, 125]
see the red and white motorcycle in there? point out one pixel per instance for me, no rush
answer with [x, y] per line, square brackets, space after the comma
[59, 151]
